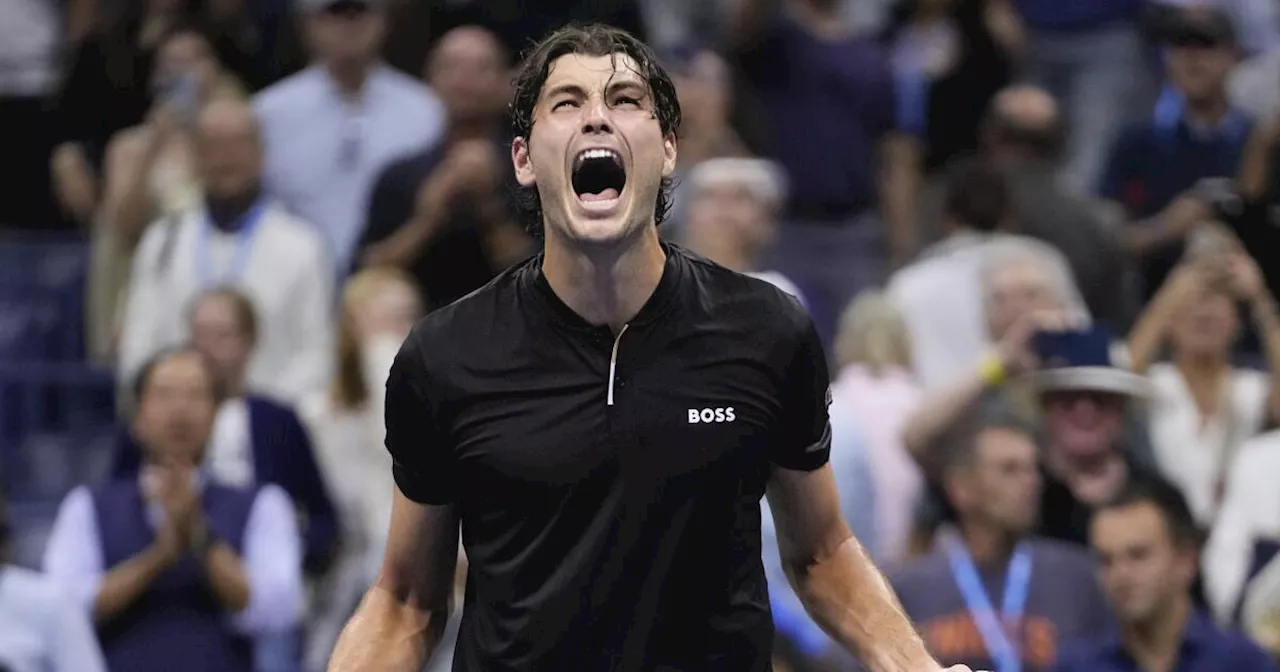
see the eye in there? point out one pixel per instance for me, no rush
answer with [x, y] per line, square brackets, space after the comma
[564, 103]
[627, 101]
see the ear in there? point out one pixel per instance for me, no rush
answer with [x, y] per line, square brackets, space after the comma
[669, 154]
[958, 488]
[520, 159]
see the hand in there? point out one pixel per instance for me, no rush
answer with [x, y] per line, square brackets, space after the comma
[162, 122]
[1183, 214]
[180, 500]
[1245, 277]
[1015, 349]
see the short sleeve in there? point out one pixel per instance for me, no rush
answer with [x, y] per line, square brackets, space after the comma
[422, 456]
[803, 440]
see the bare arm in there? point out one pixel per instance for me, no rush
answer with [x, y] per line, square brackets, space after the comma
[227, 577]
[1152, 327]
[1254, 180]
[838, 584]
[401, 619]
[126, 200]
[899, 190]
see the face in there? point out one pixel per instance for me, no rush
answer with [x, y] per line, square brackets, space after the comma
[1206, 325]
[729, 212]
[467, 71]
[346, 33]
[1200, 71]
[392, 310]
[1002, 485]
[176, 411]
[229, 156]
[218, 334]
[1084, 424]
[703, 90]
[1142, 570]
[186, 55]
[596, 152]
[1014, 291]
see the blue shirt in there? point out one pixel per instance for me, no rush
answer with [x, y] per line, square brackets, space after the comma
[1077, 15]
[1205, 648]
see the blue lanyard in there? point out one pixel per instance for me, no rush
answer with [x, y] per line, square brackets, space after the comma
[992, 625]
[239, 258]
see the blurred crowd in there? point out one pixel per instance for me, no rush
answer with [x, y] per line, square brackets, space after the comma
[1039, 239]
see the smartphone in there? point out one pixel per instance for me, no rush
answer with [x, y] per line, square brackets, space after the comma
[181, 94]
[1090, 346]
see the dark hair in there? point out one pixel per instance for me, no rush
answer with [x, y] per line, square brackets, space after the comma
[589, 40]
[977, 195]
[143, 377]
[961, 440]
[1167, 499]
[241, 305]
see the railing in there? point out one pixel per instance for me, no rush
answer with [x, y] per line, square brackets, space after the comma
[56, 410]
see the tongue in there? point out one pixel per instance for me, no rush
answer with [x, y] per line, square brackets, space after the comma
[606, 195]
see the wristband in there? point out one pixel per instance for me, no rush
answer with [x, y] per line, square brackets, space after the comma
[992, 370]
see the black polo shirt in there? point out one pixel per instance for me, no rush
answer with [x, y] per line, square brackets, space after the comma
[607, 533]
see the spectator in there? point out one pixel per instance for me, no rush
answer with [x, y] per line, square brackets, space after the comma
[874, 387]
[704, 89]
[40, 630]
[1022, 136]
[1193, 134]
[1240, 558]
[822, 86]
[941, 294]
[440, 213]
[1090, 55]
[178, 571]
[1257, 196]
[1146, 543]
[240, 238]
[149, 174]
[255, 440]
[951, 57]
[1204, 408]
[330, 129]
[1046, 589]
[1081, 402]
[732, 218]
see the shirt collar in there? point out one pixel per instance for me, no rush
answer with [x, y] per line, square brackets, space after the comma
[673, 273]
[1198, 634]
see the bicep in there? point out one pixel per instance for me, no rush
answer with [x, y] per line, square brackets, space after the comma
[806, 514]
[422, 554]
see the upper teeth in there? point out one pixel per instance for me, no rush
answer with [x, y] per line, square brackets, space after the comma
[597, 154]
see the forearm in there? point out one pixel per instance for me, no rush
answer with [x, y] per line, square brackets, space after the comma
[386, 634]
[1254, 178]
[122, 585]
[1267, 321]
[1142, 237]
[899, 189]
[1149, 332]
[227, 577]
[939, 411]
[851, 599]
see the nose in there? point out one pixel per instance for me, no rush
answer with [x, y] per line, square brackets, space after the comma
[595, 117]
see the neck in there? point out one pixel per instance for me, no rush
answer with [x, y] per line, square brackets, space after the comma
[1154, 643]
[227, 213]
[823, 18]
[1209, 111]
[1200, 368]
[605, 286]
[1067, 465]
[235, 386]
[350, 77]
[988, 545]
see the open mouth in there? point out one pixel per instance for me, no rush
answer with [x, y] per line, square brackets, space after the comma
[598, 175]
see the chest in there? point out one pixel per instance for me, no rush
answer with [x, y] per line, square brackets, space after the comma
[659, 415]
[1167, 164]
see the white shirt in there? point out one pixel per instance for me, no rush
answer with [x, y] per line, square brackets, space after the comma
[230, 456]
[40, 629]
[272, 557]
[324, 151]
[286, 274]
[1250, 512]
[941, 299]
[1191, 453]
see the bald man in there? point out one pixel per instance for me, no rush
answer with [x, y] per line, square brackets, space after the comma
[1023, 135]
[442, 214]
[236, 237]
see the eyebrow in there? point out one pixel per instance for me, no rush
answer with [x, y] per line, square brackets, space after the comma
[578, 91]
